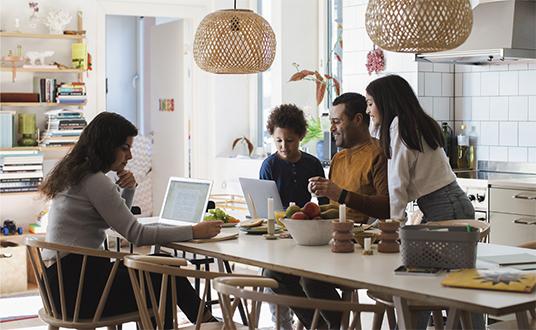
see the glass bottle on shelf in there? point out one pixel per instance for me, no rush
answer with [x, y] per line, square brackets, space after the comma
[27, 129]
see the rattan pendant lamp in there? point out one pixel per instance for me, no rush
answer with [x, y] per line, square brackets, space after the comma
[419, 26]
[234, 41]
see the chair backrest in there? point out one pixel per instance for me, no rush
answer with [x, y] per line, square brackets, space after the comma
[483, 226]
[249, 291]
[229, 201]
[35, 247]
[140, 269]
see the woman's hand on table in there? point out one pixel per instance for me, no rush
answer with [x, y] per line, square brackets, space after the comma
[206, 229]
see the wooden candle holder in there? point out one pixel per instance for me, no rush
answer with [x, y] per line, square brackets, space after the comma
[341, 241]
[389, 237]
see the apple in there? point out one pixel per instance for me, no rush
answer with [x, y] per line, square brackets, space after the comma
[311, 209]
[299, 216]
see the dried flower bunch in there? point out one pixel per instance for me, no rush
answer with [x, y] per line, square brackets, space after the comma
[323, 82]
[375, 61]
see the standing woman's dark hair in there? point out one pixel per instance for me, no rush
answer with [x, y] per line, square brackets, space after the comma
[393, 97]
[94, 151]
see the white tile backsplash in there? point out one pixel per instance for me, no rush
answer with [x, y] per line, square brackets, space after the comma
[447, 84]
[489, 133]
[508, 83]
[471, 84]
[482, 153]
[527, 82]
[498, 154]
[498, 108]
[489, 85]
[518, 108]
[499, 100]
[480, 108]
[532, 108]
[517, 154]
[427, 104]
[532, 155]
[527, 134]
[442, 107]
[508, 133]
[462, 108]
[432, 84]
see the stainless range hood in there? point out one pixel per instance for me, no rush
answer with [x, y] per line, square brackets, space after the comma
[504, 32]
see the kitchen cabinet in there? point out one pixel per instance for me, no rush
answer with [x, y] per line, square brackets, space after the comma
[512, 214]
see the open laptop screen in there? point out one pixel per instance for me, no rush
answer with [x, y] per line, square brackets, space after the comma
[185, 200]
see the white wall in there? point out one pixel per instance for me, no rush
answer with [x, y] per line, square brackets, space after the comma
[356, 46]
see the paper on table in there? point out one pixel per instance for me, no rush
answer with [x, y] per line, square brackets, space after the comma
[510, 259]
[217, 238]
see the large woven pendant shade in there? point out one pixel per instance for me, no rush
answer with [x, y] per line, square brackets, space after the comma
[234, 41]
[419, 26]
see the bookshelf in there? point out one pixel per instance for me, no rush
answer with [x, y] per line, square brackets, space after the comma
[40, 104]
[42, 36]
[42, 70]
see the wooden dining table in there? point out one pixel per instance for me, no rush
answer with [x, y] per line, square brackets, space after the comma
[374, 272]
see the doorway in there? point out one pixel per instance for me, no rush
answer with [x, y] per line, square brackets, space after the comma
[144, 83]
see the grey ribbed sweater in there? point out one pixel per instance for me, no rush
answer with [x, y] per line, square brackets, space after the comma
[80, 215]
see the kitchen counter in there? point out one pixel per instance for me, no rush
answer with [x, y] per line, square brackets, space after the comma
[518, 183]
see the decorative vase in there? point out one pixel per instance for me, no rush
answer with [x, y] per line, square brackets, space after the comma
[389, 237]
[341, 241]
[27, 129]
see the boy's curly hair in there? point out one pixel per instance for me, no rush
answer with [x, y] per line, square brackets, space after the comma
[287, 116]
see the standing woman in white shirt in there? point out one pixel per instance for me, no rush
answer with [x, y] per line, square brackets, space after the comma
[418, 168]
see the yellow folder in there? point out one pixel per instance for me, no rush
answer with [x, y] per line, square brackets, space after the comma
[501, 279]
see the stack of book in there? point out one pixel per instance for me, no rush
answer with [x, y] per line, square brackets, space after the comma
[47, 89]
[63, 127]
[20, 170]
[72, 93]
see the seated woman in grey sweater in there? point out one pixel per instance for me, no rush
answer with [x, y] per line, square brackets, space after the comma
[85, 202]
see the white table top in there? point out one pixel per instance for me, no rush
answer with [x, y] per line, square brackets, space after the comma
[374, 272]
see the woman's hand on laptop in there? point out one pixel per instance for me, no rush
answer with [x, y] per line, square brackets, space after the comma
[206, 229]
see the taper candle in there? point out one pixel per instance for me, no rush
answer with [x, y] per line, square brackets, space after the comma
[342, 213]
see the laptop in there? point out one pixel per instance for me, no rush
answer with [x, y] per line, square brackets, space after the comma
[256, 192]
[185, 202]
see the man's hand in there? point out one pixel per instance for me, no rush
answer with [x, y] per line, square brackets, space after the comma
[322, 187]
[206, 229]
[126, 179]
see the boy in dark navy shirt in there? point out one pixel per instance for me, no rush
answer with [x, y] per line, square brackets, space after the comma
[289, 167]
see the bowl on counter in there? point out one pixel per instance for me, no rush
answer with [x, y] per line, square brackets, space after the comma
[361, 235]
[309, 232]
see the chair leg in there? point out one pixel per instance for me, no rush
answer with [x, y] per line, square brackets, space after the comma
[377, 321]
[391, 318]
[111, 327]
[533, 313]
[51, 327]
[438, 320]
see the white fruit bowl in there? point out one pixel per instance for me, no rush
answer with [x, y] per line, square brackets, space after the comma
[309, 232]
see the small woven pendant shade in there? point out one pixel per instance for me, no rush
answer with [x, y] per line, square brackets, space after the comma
[234, 41]
[419, 26]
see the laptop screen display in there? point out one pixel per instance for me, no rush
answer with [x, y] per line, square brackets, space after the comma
[185, 201]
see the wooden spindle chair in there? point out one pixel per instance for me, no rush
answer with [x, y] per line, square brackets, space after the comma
[249, 291]
[57, 316]
[416, 306]
[140, 269]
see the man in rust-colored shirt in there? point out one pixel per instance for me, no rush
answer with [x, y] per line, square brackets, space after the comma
[357, 178]
[358, 173]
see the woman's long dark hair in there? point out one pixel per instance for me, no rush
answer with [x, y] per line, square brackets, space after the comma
[94, 152]
[394, 97]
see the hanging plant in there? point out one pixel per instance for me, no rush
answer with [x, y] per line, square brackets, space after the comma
[323, 82]
[375, 60]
